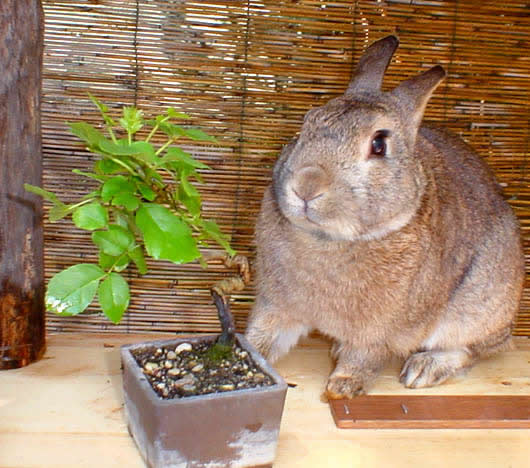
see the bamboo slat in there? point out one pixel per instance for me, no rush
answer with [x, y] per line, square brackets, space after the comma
[247, 71]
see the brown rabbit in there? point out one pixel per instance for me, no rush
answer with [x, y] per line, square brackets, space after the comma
[388, 236]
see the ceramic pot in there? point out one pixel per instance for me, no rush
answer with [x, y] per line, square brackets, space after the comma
[230, 429]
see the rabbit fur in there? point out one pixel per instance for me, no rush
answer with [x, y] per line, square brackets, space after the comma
[390, 237]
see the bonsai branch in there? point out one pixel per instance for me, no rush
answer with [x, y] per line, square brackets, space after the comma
[237, 260]
[222, 290]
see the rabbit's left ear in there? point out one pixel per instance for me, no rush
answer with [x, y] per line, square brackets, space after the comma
[414, 93]
[371, 68]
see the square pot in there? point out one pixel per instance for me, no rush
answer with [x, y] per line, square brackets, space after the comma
[230, 429]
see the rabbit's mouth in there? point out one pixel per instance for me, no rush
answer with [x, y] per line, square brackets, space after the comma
[309, 213]
[300, 210]
[345, 228]
[318, 213]
[305, 216]
[310, 220]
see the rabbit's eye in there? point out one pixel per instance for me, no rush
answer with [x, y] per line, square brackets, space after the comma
[378, 149]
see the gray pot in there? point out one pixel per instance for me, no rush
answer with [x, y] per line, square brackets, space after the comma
[230, 429]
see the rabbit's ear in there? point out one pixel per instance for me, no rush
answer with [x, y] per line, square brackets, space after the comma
[372, 66]
[414, 93]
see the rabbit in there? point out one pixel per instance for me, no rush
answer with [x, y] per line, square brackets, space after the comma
[389, 236]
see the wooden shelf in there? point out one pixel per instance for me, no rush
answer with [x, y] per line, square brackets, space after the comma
[66, 411]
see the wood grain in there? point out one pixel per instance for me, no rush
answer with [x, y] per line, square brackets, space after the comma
[21, 234]
[66, 411]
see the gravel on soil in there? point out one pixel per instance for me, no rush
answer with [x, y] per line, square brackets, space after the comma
[185, 370]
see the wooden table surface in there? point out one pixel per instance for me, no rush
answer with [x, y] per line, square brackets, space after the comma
[66, 411]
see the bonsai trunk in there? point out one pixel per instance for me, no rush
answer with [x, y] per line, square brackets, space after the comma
[21, 239]
[222, 289]
[227, 336]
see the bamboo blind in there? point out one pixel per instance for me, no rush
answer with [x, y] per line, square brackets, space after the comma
[247, 71]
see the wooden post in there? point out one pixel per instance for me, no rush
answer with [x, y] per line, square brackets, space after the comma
[22, 329]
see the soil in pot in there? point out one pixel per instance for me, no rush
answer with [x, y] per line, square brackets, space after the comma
[190, 369]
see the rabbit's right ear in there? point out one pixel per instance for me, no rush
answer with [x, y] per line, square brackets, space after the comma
[372, 66]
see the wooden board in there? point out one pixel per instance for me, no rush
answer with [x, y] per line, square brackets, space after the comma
[66, 411]
[432, 412]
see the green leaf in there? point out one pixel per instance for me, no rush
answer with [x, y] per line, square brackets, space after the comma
[72, 290]
[139, 149]
[176, 131]
[199, 135]
[189, 196]
[121, 191]
[115, 241]
[192, 204]
[121, 219]
[58, 212]
[197, 176]
[147, 192]
[144, 151]
[159, 119]
[171, 112]
[107, 166]
[90, 175]
[166, 236]
[103, 109]
[115, 186]
[173, 131]
[49, 196]
[90, 217]
[113, 295]
[114, 149]
[91, 195]
[137, 256]
[177, 155]
[188, 187]
[116, 263]
[152, 175]
[129, 201]
[212, 231]
[87, 133]
[132, 120]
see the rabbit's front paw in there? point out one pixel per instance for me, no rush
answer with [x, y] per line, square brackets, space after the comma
[344, 386]
[429, 368]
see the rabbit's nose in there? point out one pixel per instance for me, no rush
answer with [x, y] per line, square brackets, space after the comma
[310, 183]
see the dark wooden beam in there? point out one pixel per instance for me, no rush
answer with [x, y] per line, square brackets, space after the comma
[22, 330]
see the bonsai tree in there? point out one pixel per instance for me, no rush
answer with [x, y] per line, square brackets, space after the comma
[145, 204]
